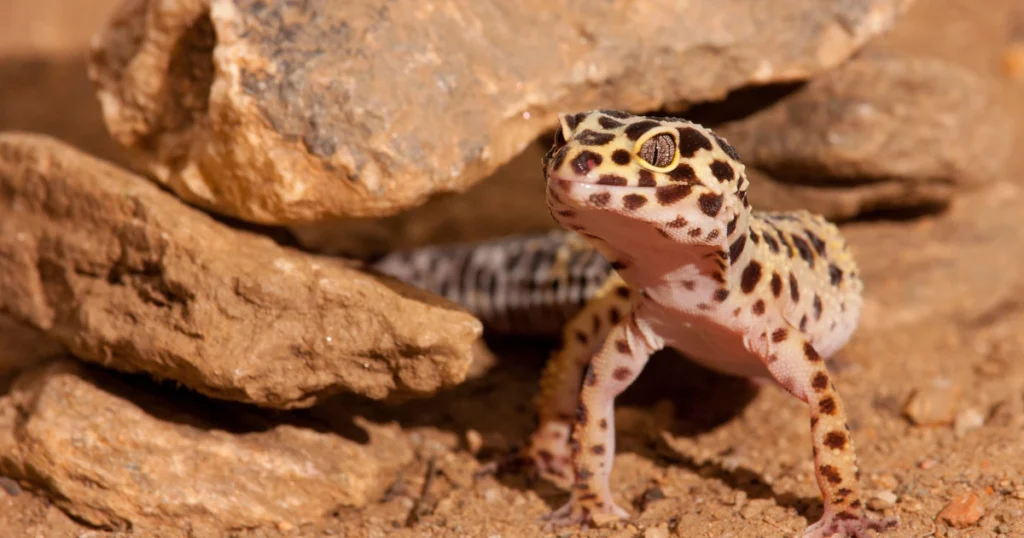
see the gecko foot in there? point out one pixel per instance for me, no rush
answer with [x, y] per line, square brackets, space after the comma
[548, 449]
[584, 512]
[847, 525]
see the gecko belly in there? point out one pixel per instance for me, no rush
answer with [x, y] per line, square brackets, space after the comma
[712, 345]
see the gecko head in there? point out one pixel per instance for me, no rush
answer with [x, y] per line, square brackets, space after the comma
[611, 173]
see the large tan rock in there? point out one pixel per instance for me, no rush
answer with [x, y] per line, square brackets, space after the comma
[880, 132]
[127, 276]
[282, 112]
[121, 452]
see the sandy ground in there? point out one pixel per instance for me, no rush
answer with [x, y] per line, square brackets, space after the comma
[699, 454]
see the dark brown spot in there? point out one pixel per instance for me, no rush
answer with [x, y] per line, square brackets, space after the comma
[817, 307]
[712, 235]
[773, 245]
[847, 515]
[803, 323]
[633, 202]
[758, 307]
[591, 496]
[663, 233]
[810, 353]
[585, 162]
[614, 316]
[691, 140]
[620, 157]
[600, 199]
[794, 289]
[609, 123]
[726, 147]
[736, 311]
[597, 449]
[622, 373]
[616, 114]
[584, 475]
[855, 503]
[594, 138]
[646, 178]
[622, 291]
[680, 222]
[804, 249]
[820, 381]
[590, 378]
[596, 322]
[581, 413]
[603, 424]
[736, 248]
[835, 274]
[671, 194]
[831, 474]
[730, 227]
[827, 406]
[750, 277]
[613, 180]
[622, 346]
[581, 337]
[703, 306]
[722, 171]
[695, 232]
[573, 120]
[689, 285]
[721, 295]
[814, 422]
[683, 173]
[780, 335]
[776, 284]
[710, 204]
[816, 242]
[754, 238]
[835, 440]
[567, 213]
[636, 130]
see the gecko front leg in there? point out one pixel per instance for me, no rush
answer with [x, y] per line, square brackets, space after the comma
[798, 367]
[621, 359]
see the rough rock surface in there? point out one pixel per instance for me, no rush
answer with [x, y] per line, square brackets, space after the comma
[278, 112]
[127, 276]
[21, 346]
[120, 453]
[880, 132]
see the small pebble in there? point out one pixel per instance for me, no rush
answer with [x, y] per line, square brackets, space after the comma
[285, 526]
[10, 486]
[967, 420]
[934, 404]
[962, 512]
[474, 441]
[661, 531]
[882, 500]
[1013, 61]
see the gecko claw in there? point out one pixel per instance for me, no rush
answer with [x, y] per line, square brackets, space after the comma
[847, 525]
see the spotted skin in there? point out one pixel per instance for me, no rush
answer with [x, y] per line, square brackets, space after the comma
[758, 294]
[684, 262]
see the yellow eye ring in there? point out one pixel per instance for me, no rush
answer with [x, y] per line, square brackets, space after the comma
[658, 149]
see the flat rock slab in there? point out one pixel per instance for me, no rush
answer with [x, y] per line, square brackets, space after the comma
[284, 112]
[880, 132]
[123, 453]
[126, 275]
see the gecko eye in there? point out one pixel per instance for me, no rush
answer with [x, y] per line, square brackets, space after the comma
[659, 151]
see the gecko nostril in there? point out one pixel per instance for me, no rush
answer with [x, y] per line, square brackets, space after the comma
[585, 162]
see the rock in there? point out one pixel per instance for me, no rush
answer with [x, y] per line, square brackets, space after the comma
[962, 512]
[128, 453]
[967, 421]
[22, 345]
[882, 500]
[880, 132]
[127, 276]
[934, 404]
[283, 113]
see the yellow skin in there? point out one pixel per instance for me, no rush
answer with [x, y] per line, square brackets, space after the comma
[749, 293]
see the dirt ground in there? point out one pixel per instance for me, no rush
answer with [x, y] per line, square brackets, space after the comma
[699, 454]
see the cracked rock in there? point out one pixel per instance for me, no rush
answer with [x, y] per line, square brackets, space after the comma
[880, 132]
[125, 275]
[283, 112]
[124, 453]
